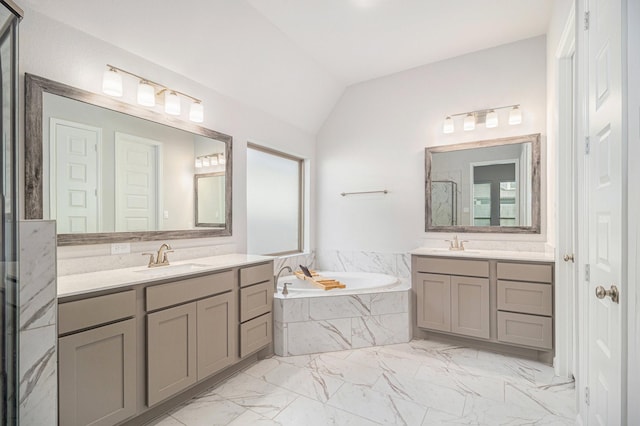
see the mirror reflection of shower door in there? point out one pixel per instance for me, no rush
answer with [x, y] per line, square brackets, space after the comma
[75, 157]
[137, 171]
[495, 193]
[444, 203]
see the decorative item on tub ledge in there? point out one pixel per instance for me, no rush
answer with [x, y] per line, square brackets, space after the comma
[487, 116]
[112, 85]
[317, 280]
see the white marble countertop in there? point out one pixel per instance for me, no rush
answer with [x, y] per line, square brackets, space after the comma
[528, 256]
[72, 285]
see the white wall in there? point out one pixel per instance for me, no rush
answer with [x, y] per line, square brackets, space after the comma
[59, 52]
[375, 139]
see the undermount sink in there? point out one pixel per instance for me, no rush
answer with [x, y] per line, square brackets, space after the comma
[173, 269]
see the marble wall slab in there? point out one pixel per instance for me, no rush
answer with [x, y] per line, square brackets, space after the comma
[293, 261]
[333, 323]
[38, 387]
[396, 264]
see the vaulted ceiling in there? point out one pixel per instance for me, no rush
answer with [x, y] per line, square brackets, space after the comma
[294, 58]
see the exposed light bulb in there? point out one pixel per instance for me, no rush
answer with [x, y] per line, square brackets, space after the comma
[146, 94]
[171, 103]
[112, 83]
[196, 112]
[469, 122]
[515, 115]
[448, 126]
[491, 120]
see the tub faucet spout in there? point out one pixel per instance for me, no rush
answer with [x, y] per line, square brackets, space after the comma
[275, 281]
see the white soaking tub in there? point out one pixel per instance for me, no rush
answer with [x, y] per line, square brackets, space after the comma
[372, 310]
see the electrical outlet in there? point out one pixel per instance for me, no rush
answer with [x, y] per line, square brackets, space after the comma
[120, 248]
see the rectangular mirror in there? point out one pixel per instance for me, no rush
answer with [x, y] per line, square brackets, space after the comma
[486, 186]
[108, 171]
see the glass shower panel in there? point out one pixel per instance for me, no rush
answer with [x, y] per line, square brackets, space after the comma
[444, 203]
[8, 209]
[482, 204]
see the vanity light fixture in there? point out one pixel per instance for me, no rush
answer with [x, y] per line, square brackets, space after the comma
[112, 82]
[469, 122]
[210, 160]
[487, 116]
[171, 103]
[149, 91]
[515, 115]
[146, 94]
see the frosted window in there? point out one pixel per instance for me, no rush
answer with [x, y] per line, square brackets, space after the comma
[273, 203]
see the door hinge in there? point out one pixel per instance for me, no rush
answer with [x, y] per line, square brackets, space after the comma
[587, 145]
[587, 396]
[587, 272]
[587, 21]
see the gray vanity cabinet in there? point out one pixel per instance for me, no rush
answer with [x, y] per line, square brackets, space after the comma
[256, 301]
[217, 334]
[189, 342]
[97, 362]
[450, 301]
[171, 351]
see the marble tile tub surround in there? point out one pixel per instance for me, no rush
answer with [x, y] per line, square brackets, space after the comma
[294, 261]
[328, 323]
[38, 387]
[395, 264]
[422, 382]
[92, 258]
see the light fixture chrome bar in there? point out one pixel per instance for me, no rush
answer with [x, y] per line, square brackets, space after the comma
[479, 111]
[383, 191]
[146, 80]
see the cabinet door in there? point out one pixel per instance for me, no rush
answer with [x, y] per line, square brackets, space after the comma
[470, 306]
[434, 301]
[217, 334]
[97, 375]
[171, 351]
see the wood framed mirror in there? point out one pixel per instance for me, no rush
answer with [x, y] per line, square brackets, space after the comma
[109, 172]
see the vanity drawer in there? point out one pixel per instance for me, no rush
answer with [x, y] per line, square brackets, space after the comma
[175, 293]
[255, 300]
[256, 274]
[528, 330]
[94, 311]
[525, 272]
[255, 334]
[438, 265]
[527, 298]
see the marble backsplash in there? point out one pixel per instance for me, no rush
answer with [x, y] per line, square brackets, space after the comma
[38, 387]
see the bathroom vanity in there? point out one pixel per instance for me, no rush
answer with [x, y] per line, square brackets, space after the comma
[135, 342]
[500, 300]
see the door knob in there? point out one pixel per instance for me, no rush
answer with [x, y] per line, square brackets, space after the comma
[568, 257]
[613, 293]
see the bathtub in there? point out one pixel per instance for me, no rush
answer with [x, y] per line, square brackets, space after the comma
[372, 310]
[356, 283]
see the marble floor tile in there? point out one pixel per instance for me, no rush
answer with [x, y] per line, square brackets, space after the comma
[304, 381]
[309, 412]
[377, 406]
[417, 383]
[208, 410]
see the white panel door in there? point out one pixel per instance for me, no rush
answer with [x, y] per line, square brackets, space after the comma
[75, 167]
[137, 180]
[605, 209]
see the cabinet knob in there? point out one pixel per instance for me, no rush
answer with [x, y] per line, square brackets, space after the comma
[568, 257]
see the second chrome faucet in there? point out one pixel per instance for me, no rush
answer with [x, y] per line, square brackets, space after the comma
[161, 257]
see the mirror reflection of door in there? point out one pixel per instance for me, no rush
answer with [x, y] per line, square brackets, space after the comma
[75, 165]
[137, 183]
[210, 199]
[495, 194]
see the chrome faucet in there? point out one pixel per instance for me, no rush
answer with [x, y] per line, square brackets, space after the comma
[275, 282]
[161, 257]
[455, 244]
